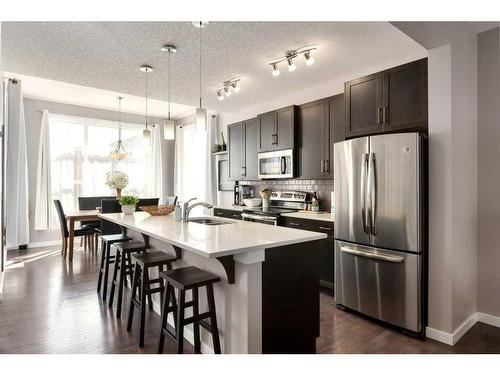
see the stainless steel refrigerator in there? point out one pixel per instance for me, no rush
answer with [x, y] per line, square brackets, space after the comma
[379, 227]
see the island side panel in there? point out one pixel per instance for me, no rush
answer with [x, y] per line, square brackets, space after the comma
[238, 305]
[290, 298]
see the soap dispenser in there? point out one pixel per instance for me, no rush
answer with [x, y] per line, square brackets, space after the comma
[178, 212]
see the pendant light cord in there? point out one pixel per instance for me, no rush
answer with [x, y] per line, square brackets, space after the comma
[201, 26]
[119, 120]
[147, 99]
[169, 74]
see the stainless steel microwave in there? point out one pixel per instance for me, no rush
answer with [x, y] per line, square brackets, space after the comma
[276, 164]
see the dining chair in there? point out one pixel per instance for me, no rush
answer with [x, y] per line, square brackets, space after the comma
[65, 231]
[91, 203]
[147, 202]
[171, 200]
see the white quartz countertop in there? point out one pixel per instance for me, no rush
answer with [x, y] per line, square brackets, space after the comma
[324, 216]
[213, 241]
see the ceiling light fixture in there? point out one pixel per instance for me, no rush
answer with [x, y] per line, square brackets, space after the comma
[289, 58]
[309, 58]
[201, 113]
[119, 152]
[146, 133]
[169, 126]
[228, 88]
[276, 71]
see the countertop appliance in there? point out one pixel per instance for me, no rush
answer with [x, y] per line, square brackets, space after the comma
[379, 236]
[280, 202]
[276, 164]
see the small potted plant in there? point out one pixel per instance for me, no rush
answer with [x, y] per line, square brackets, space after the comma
[128, 203]
[117, 180]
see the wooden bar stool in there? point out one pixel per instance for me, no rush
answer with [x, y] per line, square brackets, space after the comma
[143, 263]
[107, 259]
[123, 268]
[185, 279]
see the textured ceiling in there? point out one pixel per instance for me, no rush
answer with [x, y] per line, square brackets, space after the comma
[107, 55]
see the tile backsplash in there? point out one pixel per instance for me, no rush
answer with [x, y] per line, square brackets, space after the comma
[323, 188]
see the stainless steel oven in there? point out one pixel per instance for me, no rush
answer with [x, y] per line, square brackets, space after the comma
[276, 164]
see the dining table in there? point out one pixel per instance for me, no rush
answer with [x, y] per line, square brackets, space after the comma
[83, 215]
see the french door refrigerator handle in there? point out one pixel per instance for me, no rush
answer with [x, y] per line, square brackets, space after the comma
[385, 258]
[372, 193]
[364, 216]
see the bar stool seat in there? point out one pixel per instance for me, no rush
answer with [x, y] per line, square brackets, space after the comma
[183, 279]
[141, 281]
[123, 268]
[107, 259]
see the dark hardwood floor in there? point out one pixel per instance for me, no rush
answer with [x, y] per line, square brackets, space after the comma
[51, 307]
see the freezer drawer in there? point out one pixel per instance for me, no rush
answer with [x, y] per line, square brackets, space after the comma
[380, 283]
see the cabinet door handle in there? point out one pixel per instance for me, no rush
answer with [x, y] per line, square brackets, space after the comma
[295, 224]
[326, 169]
[378, 114]
[322, 166]
[236, 215]
[325, 228]
[384, 115]
[243, 171]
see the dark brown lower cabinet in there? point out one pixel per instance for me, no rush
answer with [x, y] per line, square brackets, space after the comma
[325, 247]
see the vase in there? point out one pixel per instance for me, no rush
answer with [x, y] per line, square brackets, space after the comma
[118, 194]
[265, 202]
[128, 209]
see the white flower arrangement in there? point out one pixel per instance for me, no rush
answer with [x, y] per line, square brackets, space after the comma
[116, 180]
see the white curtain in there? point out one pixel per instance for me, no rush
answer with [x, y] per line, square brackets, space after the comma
[44, 207]
[157, 182]
[16, 186]
[193, 164]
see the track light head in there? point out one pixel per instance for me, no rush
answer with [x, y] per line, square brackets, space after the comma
[220, 96]
[276, 71]
[227, 91]
[291, 64]
[309, 58]
[235, 86]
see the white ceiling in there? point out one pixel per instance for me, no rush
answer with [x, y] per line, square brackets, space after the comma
[480, 26]
[107, 55]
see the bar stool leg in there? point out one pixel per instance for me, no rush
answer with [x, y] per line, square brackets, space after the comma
[164, 317]
[106, 272]
[144, 292]
[213, 319]
[116, 269]
[145, 278]
[196, 325]
[180, 321]
[135, 282]
[103, 257]
[121, 284]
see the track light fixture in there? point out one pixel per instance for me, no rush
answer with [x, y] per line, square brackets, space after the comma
[228, 88]
[289, 58]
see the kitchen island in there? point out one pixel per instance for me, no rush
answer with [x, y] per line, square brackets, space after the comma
[268, 299]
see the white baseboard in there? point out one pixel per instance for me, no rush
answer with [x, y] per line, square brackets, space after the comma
[492, 320]
[452, 338]
[34, 245]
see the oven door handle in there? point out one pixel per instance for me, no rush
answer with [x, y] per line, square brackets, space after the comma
[283, 165]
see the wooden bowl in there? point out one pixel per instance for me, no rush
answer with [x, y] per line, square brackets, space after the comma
[158, 210]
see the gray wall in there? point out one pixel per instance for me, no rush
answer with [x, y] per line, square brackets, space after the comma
[489, 171]
[33, 118]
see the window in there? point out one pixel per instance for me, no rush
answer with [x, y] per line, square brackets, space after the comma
[80, 149]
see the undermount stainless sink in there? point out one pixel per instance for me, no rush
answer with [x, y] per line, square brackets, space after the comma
[207, 221]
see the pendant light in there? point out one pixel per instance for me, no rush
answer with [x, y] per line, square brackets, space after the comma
[169, 127]
[201, 113]
[146, 133]
[119, 152]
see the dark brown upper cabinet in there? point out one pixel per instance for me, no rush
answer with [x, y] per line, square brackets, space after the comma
[242, 150]
[277, 129]
[392, 100]
[321, 123]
